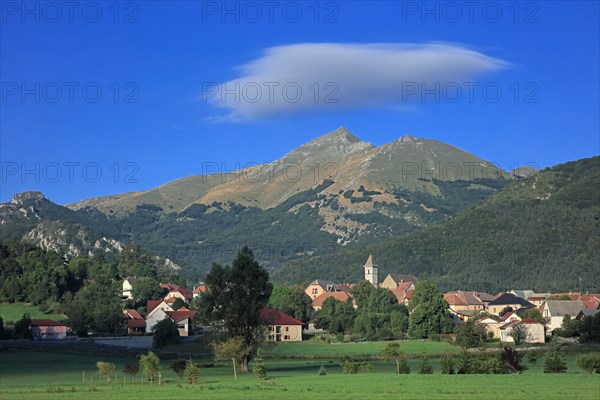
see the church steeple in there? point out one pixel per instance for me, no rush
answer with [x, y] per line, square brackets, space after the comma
[371, 271]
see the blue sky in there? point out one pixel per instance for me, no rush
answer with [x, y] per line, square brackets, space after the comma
[113, 97]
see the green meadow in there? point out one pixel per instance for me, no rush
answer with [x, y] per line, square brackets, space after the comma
[59, 375]
[14, 312]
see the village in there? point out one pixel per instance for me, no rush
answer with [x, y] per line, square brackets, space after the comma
[538, 314]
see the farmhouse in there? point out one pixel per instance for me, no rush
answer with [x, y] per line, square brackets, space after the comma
[317, 303]
[318, 287]
[185, 295]
[128, 286]
[156, 311]
[184, 321]
[463, 304]
[555, 310]
[393, 281]
[136, 325]
[281, 327]
[536, 332]
[507, 300]
[47, 329]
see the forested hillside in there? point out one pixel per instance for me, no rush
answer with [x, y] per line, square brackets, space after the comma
[540, 233]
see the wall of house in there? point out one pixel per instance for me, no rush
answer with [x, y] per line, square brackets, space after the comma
[389, 283]
[314, 291]
[48, 332]
[285, 333]
[536, 334]
[127, 288]
[157, 315]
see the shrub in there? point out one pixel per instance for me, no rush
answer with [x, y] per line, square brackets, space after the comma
[425, 366]
[191, 372]
[150, 365]
[488, 365]
[465, 364]
[367, 367]
[322, 371]
[447, 364]
[589, 362]
[258, 368]
[554, 361]
[511, 360]
[532, 357]
[105, 369]
[350, 367]
[403, 367]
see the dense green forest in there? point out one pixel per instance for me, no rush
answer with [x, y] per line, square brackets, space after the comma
[540, 233]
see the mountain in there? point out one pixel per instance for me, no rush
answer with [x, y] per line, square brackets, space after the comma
[540, 233]
[333, 192]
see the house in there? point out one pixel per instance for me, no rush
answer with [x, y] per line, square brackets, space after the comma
[507, 300]
[485, 298]
[555, 310]
[523, 293]
[184, 320]
[536, 332]
[156, 311]
[281, 327]
[128, 286]
[393, 281]
[403, 296]
[463, 301]
[537, 299]
[47, 329]
[317, 302]
[201, 288]
[491, 325]
[318, 287]
[371, 274]
[136, 325]
[591, 301]
[584, 313]
[185, 295]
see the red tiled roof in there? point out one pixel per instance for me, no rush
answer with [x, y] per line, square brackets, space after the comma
[136, 323]
[273, 317]
[151, 305]
[525, 321]
[46, 322]
[460, 298]
[319, 300]
[133, 314]
[200, 289]
[180, 315]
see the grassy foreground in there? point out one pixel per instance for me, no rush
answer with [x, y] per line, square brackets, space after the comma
[56, 375]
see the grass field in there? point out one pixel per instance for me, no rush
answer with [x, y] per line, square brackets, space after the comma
[313, 348]
[58, 375]
[14, 312]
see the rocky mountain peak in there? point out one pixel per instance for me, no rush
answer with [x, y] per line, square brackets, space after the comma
[21, 198]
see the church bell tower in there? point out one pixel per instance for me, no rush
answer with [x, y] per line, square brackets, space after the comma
[371, 272]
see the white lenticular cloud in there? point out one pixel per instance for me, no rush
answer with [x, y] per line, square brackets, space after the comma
[311, 76]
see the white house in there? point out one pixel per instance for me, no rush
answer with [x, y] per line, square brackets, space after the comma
[128, 286]
[156, 311]
[536, 332]
[555, 310]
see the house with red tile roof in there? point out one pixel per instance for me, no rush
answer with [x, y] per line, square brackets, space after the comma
[393, 281]
[281, 327]
[185, 295]
[47, 329]
[201, 288]
[184, 320]
[136, 325]
[156, 311]
[317, 302]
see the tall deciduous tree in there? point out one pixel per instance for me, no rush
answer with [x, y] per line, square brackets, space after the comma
[429, 311]
[233, 300]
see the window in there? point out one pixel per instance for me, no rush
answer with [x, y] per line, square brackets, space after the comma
[314, 291]
[287, 328]
[286, 337]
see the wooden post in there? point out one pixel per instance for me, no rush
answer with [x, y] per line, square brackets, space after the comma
[84, 377]
[234, 371]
